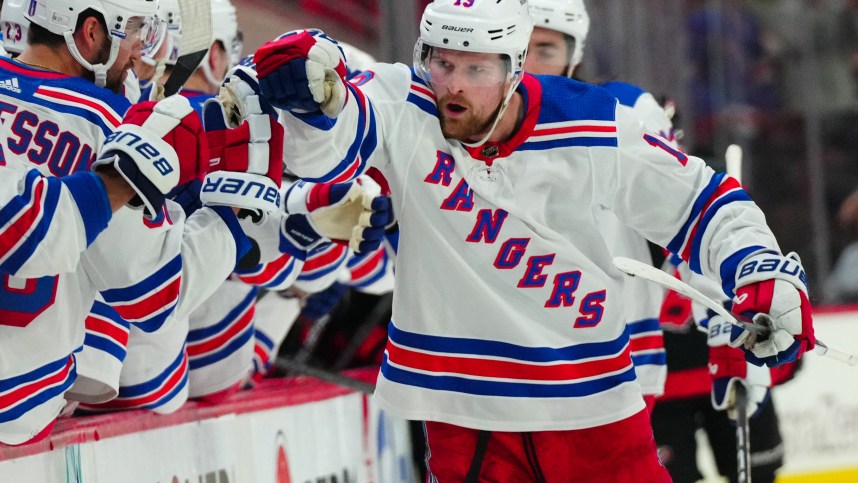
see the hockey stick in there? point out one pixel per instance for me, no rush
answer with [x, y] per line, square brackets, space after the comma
[743, 435]
[196, 41]
[295, 367]
[652, 274]
[733, 158]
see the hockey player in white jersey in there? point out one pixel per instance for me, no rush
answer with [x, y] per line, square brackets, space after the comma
[556, 48]
[57, 121]
[508, 335]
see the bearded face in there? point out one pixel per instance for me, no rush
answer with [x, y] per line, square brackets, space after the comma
[470, 89]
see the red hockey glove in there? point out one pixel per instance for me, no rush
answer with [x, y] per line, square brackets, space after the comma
[728, 367]
[157, 147]
[772, 291]
[303, 71]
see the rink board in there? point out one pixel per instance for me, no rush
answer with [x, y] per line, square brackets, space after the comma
[819, 409]
[291, 431]
[318, 432]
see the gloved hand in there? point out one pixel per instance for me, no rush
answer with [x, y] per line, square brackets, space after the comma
[728, 367]
[303, 72]
[353, 213]
[246, 162]
[157, 147]
[772, 291]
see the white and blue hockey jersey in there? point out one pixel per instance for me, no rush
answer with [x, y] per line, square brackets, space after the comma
[643, 298]
[507, 314]
[56, 124]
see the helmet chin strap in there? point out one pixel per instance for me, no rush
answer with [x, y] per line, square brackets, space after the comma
[100, 70]
[500, 115]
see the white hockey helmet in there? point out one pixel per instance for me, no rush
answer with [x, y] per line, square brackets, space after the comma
[14, 25]
[569, 17]
[480, 26]
[225, 30]
[60, 17]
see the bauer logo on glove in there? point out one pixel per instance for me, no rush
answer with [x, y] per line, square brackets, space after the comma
[246, 162]
[157, 147]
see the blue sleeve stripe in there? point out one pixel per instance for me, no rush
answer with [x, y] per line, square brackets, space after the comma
[106, 345]
[316, 119]
[643, 326]
[678, 241]
[134, 292]
[242, 243]
[137, 390]
[370, 142]
[347, 166]
[88, 115]
[90, 195]
[570, 142]
[731, 264]
[43, 395]
[225, 322]
[657, 359]
[424, 105]
[319, 273]
[282, 276]
[170, 395]
[264, 339]
[223, 352]
[17, 204]
[36, 374]
[734, 196]
[37, 233]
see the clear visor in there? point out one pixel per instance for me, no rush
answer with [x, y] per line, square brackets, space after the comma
[456, 70]
[138, 28]
[236, 48]
[154, 38]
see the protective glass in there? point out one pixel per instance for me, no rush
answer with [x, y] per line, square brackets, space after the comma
[140, 28]
[154, 38]
[236, 48]
[458, 70]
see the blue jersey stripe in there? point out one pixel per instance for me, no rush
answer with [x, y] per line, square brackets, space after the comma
[654, 359]
[224, 352]
[167, 272]
[40, 398]
[225, 322]
[105, 345]
[645, 325]
[678, 241]
[423, 104]
[505, 389]
[579, 142]
[457, 345]
[264, 339]
[734, 196]
[144, 388]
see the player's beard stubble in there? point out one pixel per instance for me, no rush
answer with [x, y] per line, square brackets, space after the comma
[470, 127]
[116, 74]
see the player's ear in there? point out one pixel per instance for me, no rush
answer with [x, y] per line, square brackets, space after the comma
[89, 36]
